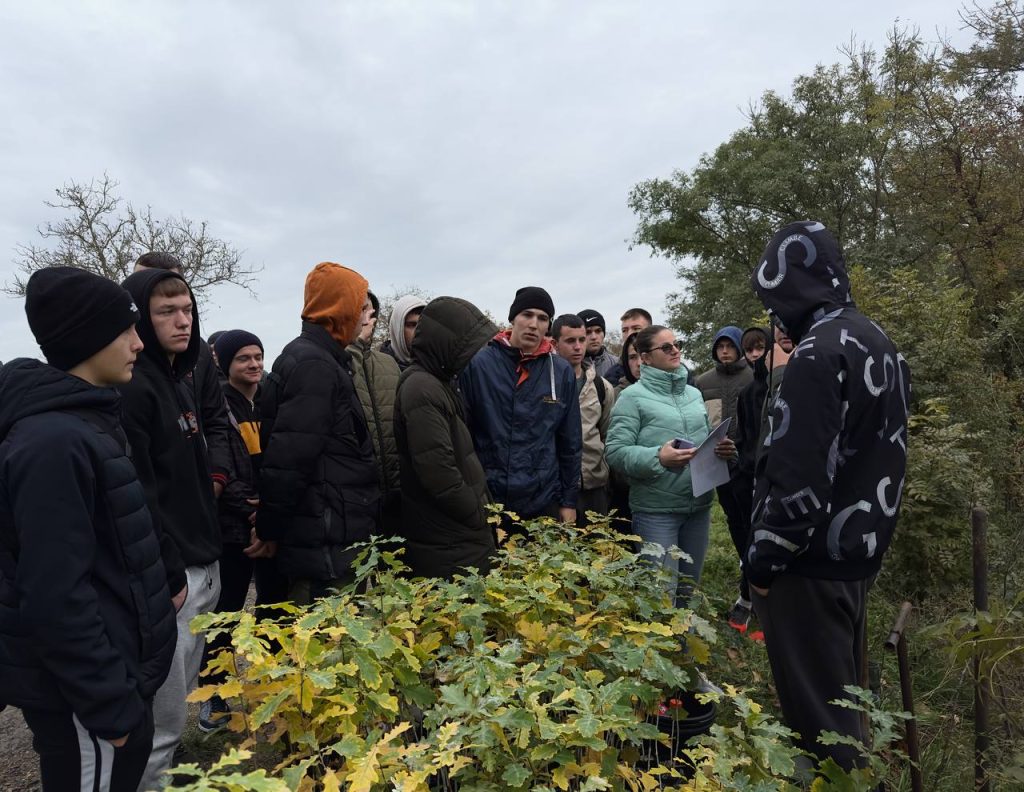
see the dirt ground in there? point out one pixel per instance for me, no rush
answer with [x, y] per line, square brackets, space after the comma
[19, 767]
[19, 770]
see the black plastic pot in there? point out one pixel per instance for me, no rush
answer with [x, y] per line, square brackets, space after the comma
[691, 718]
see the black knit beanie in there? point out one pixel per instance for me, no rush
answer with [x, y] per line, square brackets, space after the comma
[228, 344]
[74, 314]
[592, 318]
[531, 297]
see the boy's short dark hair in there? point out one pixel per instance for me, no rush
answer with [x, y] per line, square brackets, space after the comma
[157, 259]
[170, 287]
[636, 313]
[565, 320]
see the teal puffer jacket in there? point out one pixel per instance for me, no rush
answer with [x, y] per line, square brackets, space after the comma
[659, 408]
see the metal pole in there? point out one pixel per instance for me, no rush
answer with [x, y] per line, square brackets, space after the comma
[897, 642]
[979, 530]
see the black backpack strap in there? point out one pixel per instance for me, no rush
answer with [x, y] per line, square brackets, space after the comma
[599, 383]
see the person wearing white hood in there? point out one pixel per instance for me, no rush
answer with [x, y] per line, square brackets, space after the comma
[405, 315]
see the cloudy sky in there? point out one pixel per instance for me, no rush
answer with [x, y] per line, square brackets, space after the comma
[467, 148]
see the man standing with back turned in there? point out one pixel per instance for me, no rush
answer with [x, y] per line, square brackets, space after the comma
[319, 492]
[827, 490]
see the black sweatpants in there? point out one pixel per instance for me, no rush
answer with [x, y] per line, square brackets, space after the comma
[814, 634]
[71, 759]
[737, 518]
[237, 570]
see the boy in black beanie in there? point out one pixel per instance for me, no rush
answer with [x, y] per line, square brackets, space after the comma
[244, 556]
[524, 415]
[86, 623]
[597, 356]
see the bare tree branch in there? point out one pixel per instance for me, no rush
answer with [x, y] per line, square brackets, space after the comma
[101, 233]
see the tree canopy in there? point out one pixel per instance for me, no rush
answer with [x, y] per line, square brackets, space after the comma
[913, 157]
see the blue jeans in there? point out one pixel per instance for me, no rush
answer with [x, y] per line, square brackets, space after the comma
[688, 532]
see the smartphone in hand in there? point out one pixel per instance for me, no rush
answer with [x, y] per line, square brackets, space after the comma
[682, 443]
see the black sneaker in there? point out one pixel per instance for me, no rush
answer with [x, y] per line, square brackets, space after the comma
[214, 713]
[739, 616]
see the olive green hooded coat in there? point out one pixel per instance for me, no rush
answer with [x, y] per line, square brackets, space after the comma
[444, 488]
[375, 375]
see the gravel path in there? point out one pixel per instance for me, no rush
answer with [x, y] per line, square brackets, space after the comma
[19, 768]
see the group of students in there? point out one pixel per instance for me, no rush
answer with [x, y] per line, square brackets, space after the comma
[146, 476]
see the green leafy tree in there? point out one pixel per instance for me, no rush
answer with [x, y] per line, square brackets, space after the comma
[815, 155]
[912, 157]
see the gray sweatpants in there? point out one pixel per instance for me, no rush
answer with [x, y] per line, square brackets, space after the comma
[814, 633]
[169, 710]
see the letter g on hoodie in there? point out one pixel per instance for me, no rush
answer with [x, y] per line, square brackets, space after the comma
[334, 299]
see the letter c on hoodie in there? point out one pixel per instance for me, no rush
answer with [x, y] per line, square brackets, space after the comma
[811, 255]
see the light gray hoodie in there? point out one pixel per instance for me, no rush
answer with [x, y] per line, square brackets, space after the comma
[396, 326]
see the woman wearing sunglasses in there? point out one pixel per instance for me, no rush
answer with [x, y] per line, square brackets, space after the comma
[647, 420]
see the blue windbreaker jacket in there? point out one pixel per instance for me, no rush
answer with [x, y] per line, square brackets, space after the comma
[526, 429]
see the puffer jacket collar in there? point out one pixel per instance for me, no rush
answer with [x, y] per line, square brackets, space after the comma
[661, 381]
[322, 338]
[728, 369]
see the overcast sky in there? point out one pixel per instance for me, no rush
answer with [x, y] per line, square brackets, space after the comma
[468, 148]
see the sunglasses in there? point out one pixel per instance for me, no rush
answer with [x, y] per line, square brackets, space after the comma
[667, 348]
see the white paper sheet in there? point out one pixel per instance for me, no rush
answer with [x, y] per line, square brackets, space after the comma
[706, 470]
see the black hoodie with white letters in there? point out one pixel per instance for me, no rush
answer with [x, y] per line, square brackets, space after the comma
[829, 483]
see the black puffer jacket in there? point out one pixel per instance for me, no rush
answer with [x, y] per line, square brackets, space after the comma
[749, 407]
[243, 485]
[828, 487]
[318, 480]
[86, 619]
[444, 488]
[752, 428]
